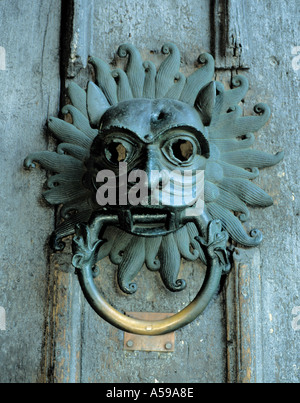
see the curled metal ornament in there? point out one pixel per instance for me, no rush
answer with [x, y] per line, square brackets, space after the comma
[154, 123]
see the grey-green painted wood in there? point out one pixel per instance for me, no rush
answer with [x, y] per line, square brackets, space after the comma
[29, 92]
[86, 348]
[276, 81]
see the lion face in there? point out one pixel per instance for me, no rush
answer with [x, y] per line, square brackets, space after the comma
[156, 126]
[152, 152]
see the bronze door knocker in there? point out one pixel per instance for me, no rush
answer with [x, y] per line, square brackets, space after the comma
[137, 136]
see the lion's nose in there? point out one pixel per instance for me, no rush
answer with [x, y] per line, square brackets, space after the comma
[158, 179]
[156, 174]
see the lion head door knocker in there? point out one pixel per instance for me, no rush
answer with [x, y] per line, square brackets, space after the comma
[152, 123]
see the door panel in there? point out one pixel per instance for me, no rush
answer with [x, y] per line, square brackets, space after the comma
[29, 92]
[249, 332]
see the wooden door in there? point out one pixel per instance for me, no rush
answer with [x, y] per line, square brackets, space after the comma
[249, 332]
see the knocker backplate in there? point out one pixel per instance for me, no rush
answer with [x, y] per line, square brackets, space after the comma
[163, 343]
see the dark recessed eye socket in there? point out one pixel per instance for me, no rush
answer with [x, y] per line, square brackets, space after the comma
[118, 151]
[115, 152]
[181, 150]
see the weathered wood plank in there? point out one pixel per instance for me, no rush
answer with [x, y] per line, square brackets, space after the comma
[229, 34]
[29, 93]
[243, 317]
[274, 80]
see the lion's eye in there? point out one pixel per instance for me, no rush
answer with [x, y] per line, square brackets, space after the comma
[118, 151]
[180, 150]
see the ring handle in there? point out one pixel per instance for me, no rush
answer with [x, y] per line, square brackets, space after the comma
[86, 247]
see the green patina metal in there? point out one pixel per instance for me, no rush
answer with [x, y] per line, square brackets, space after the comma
[148, 114]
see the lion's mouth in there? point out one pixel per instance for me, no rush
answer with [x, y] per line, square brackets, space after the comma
[146, 221]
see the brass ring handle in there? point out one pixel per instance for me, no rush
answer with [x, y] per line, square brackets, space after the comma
[86, 244]
[150, 328]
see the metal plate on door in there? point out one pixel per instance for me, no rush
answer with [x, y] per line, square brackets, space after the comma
[164, 343]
